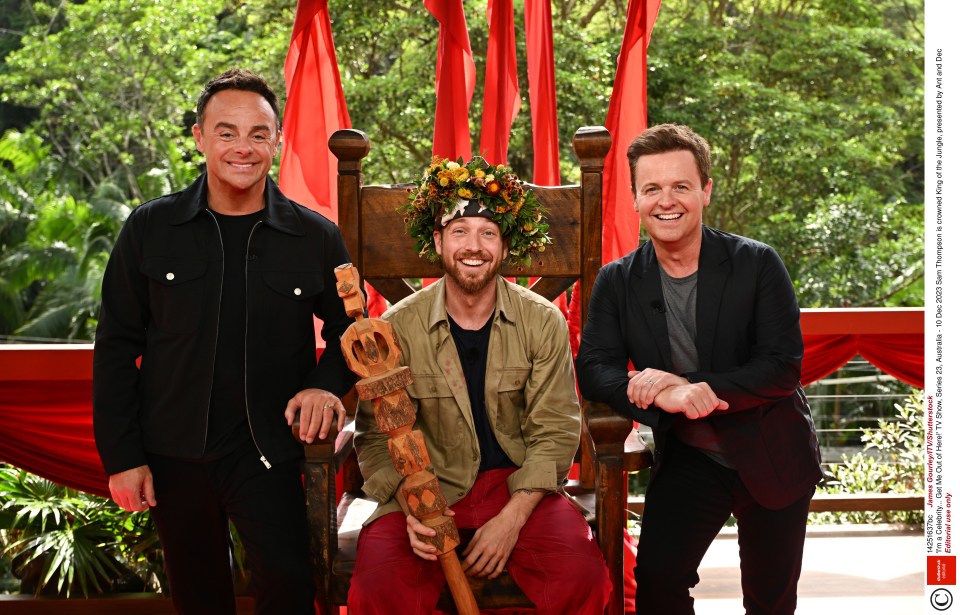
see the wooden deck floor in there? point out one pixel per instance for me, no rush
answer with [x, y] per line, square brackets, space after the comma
[847, 570]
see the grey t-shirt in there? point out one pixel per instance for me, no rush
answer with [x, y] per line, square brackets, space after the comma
[680, 298]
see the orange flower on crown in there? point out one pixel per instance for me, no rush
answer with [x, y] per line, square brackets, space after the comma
[446, 183]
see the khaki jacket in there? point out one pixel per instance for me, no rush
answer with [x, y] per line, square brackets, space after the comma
[531, 396]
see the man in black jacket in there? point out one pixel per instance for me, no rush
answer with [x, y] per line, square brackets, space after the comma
[214, 290]
[710, 323]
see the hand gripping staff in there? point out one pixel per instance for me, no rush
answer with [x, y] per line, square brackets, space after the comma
[372, 351]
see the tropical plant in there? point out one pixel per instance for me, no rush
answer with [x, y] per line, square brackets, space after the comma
[63, 541]
[891, 462]
[110, 110]
[815, 113]
[814, 110]
[54, 246]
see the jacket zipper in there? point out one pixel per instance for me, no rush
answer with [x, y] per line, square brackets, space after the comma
[246, 319]
[216, 338]
[246, 333]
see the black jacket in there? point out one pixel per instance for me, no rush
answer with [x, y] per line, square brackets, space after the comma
[161, 293]
[749, 345]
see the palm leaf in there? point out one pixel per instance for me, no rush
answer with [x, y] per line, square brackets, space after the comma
[11, 308]
[52, 323]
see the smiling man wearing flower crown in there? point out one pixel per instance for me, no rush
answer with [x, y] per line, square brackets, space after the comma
[496, 403]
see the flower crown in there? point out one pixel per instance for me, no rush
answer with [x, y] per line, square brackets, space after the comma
[446, 184]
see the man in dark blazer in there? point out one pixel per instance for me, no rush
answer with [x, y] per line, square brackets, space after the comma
[697, 334]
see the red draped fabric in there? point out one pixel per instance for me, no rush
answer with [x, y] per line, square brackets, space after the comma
[501, 93]
[626, 118]
[543, 92]
[573, 318]
[456, 76]
[900, 355]
[314, 110]
[46, 422]
[376, 303]
[538, 25]
[46, 427]
[889, 338]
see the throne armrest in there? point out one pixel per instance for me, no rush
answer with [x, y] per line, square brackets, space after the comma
[323, 460]
[617, 451]
[608, 430]
[334, 450]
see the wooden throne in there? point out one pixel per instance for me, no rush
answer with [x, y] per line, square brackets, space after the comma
[383, 253]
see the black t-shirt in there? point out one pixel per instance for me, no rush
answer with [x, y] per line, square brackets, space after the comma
[472, 348]
[227, 426]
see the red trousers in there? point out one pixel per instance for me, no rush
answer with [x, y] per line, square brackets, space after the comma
[555, 562]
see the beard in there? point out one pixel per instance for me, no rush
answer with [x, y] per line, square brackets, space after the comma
[471, 280]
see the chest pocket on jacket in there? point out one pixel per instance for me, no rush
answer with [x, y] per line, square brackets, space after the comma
[289, 304]
[438, 409]
[297, 286]
[176, 292]
[511, 399]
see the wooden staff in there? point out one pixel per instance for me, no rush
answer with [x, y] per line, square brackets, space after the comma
[372, 351]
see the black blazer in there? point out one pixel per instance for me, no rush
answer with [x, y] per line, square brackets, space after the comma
[749, 345]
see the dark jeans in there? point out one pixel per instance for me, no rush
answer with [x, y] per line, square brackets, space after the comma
[195, 501]
[687, 503]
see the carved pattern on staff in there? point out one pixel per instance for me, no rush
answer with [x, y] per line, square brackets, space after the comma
[372, 351]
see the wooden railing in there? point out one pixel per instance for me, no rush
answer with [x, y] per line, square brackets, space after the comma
[840, 502]
[120, 604]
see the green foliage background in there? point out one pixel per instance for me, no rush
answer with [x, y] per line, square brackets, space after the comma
[813, 107]
[892, 461]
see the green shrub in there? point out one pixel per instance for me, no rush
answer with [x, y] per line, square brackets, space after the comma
[61, 541]
[891, 462]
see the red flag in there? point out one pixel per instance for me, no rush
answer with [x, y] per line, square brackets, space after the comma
[543, 93]
[376, 303]
[456, 76]
[501, 93]
[573, 319]
[626, 118]
[543, 103]
[315, 109]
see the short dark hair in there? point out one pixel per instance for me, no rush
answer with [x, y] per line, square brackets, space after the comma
[237, 79]
[665, 138]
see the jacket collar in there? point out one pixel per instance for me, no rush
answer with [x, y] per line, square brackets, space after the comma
[646, 292]
[714, 271]
[438, 305]
[280, 212]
